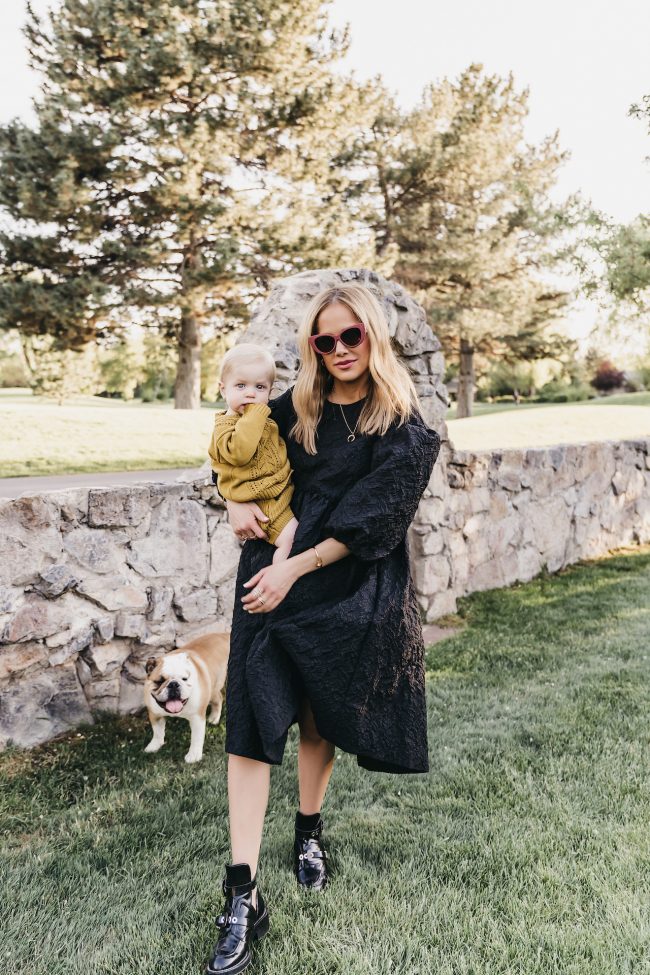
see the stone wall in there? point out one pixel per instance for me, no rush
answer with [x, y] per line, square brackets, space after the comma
[93, 582]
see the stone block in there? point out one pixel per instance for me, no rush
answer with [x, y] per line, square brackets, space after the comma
[104, 629]
[225, 551]
[36, 619]
[78, 639]
[176, 545]
[160, 602]
[130, 625]
[11, 597]
[96, 548]
[17, 657]
[195, 606]
[487, 575]
[118, 507]
[431, 574]
[107, 658]
[441, 604]
[115, 593]
[55, 580]
[36, 708]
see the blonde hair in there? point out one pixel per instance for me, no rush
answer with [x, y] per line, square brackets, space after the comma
[247, 354]
[391, 392]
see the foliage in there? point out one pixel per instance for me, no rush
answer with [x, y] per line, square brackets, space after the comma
[178, 161]
[59, 372]
[607, 377]
[559, 391]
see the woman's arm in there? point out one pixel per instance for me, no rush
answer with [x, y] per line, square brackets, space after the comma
[274, 581]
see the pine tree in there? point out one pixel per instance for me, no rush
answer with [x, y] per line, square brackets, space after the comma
[181, 157]
[460, 205]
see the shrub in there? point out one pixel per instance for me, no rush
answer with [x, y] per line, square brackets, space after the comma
[607, 377]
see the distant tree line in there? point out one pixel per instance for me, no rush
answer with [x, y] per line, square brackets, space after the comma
[184, 156]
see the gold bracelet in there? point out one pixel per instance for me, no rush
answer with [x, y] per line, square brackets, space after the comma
[319, 561]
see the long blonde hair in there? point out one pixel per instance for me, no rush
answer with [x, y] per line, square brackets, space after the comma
[391, 392]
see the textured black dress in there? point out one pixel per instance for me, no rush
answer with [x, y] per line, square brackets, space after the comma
[347, 635]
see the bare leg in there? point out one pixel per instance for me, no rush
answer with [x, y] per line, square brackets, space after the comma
[248, 796]
[315, 762]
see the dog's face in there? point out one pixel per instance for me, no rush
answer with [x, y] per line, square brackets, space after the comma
[170, 681]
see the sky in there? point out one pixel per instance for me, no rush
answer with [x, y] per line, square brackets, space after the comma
[584, 62]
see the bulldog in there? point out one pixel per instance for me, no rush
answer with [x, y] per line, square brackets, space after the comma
[182, 684]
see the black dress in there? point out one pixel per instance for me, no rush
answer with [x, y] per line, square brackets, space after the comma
[348, 635]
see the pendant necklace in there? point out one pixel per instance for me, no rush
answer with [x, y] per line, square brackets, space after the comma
[352, 432]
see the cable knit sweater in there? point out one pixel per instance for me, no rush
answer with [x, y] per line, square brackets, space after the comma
[250, 459]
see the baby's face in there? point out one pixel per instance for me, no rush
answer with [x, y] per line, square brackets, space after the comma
[246, 385]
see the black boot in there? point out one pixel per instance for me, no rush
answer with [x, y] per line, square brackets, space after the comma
[240, 922]
[309, 854]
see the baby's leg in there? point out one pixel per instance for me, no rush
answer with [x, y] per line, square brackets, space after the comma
[284, 541]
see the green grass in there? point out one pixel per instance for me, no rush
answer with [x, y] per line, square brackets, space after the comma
[622, 399]
[524, 851]
[95, 434]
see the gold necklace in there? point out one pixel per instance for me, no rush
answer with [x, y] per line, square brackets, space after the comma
[352, 432]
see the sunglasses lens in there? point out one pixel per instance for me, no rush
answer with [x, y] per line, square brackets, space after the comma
[351, 336]
[324, 344]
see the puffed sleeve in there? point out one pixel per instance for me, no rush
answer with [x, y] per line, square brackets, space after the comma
[282, 411]
[374, 515]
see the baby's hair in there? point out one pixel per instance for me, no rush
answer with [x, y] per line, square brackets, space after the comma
[246, 354]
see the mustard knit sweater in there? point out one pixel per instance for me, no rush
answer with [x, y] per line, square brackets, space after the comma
[250, 459]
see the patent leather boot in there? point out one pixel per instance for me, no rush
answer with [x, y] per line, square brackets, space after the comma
[240, 923]
[310, 858]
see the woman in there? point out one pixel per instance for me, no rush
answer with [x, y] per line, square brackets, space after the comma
[331, 637]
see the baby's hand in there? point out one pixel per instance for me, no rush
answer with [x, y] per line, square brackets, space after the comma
[284, 541]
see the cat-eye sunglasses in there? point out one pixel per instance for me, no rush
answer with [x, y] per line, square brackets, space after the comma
[350, 336]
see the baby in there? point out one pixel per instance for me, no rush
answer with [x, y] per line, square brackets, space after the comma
[247, 452]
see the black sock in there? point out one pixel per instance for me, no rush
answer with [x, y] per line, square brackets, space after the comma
[307, 821]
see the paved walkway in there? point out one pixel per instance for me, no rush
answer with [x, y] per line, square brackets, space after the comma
[13, 487]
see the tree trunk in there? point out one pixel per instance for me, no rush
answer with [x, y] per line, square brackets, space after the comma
[187, 388]
[465, 380]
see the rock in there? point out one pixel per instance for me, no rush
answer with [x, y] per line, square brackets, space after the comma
[55, 580]
[34, 620]
[95, 548]
[441, 604]
[114, 593]
[159, 635]
[104, 629]
[106, 658]
[225, 551]
[130, 625]
[160, 601]
[20, 656]
[36, 708]
[431, 574]
[11, 597]
[71, 647]
[198, 605]
[118, 507]
[176, 545]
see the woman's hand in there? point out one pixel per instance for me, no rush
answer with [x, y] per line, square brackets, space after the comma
[272, 583]
[243, 517]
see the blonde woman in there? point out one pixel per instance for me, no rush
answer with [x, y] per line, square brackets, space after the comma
[331, 637]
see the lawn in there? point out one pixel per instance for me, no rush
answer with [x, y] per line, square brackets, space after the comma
[96, 434]
[524, 851]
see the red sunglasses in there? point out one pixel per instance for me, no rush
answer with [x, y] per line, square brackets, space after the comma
[351, 336]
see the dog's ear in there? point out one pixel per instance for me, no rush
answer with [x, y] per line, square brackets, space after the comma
[150, 664]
